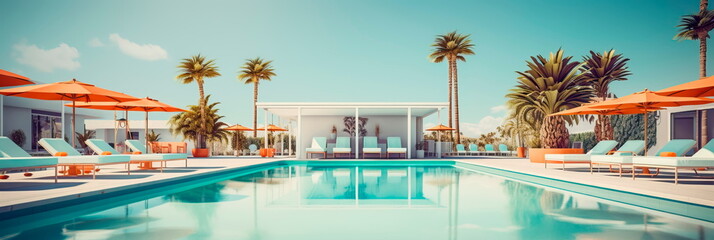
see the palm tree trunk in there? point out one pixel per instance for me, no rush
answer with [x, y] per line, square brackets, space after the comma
[451, 92]
[553, 133]
[703, 4]
[455, 76]
[202, 107]
[255, 109]
[703, 74]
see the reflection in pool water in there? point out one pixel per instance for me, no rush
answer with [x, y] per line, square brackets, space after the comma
[369, 202]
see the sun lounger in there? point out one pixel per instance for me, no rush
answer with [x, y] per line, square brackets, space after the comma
[601, 148]
[319, 145]
[342, 146]
[503, 149]
[460, 149]
[371, 146]
[74, 163]
[704, 158]
[489, 149]
[473, 149]
[101, 147]
[394, 146]
[12, 157]
[620, 158]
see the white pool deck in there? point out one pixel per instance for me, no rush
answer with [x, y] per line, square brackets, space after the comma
[21, 192]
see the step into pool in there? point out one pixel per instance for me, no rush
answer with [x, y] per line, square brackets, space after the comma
[358, 200]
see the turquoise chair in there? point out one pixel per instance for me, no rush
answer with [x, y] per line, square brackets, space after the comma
[625, 154]
[704, 158]
[677, 146]
[503, 150]
[71, 158]
[489, 149]
[394, 146]
[12, 157]
[371, 146]
[460, 149]
[601, 148]
[473, 149]
[99, 146]
[342, 146]
[319, 145]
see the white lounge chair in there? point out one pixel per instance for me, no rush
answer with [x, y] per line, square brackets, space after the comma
[601, 148]
[319, 146]
[704, 158]
[394, 146]
[75, 163]
[678, 146]
[12, 157]
[101, 147]
[342, 146]
[371, 146]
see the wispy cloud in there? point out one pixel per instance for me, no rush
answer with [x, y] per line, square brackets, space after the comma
[149, 52]
[47, 60]
[485, 125]
[499, 108]
[95, 42]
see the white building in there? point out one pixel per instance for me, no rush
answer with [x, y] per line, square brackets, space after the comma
[404, 120]
[685, 123]
[39, 119]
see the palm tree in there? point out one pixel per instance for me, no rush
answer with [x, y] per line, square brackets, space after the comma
[189, 125]
[603, 69]
[549, 86]
[697, 27]
[254, 71]
[452, 47]
[197, 69]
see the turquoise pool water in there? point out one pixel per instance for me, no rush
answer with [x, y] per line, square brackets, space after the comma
[347, 201]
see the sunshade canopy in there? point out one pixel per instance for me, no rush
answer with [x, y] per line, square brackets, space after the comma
[699, 88]
[238, 127]
[650, 99]
[68, 91]
[590, 110]
[440, 127]
[272, 128]
[8, 79]
[140, 105]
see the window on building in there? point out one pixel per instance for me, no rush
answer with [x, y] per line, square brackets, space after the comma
[45, 125]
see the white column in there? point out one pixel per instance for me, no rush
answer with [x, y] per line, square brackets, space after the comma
[265, 127]
[409, 133]
[356, 133]
[290, 137]
[298, 137]
[438, 135]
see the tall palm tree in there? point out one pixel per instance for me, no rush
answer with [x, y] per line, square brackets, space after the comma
[697, 27]
[197, 69]
[603, 69]
[452, 47]
[254, 71]
[549, 86]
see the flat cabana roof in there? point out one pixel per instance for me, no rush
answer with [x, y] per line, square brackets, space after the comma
[290, 110]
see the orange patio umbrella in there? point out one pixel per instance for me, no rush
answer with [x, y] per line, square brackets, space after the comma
[699, 88]
[145, 105]
[272, 128]
[238, 127]
[8, 79]
[647, 100]
[68, 91]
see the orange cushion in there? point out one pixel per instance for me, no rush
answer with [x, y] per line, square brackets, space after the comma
[135, 152]
[60, 154]
[106, 153]
[668, 154]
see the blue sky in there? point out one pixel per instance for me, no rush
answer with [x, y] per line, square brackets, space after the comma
[336, 50]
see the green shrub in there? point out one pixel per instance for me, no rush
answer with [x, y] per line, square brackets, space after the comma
[18, 137]
[630, 127]
[588, 139]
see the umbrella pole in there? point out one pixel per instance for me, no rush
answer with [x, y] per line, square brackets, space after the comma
[646, 117]
[146, 131]
[115, 131]
[74, 133]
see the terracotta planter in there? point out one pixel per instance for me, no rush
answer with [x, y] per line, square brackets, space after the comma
[537, 155]
[199, 152]
[521, 151]
[267, 152]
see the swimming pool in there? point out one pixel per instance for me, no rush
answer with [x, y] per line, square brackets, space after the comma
[358, 200]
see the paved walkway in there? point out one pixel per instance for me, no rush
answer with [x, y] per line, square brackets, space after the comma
[690, 188]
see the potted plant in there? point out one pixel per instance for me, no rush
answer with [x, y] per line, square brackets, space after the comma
[333, 133]
[18, 137]
[420, 150]
[188, 125]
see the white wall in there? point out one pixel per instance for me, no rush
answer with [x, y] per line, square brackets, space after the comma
[390, 126]
[21, 118]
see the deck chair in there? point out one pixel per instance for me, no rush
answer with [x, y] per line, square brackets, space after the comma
[601, 148]
[394, 146]
[74, 163]
[12, 157]
[99, 146]
[460, 149]
[704, 158]
[620, 158]
[503, 149]
[473, 149]
[489, 149]
[371, 146]
[342, 146]
[319, 146]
